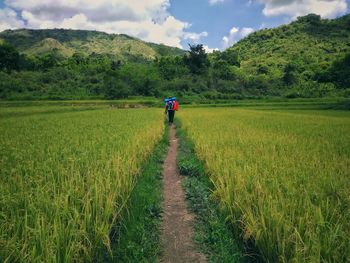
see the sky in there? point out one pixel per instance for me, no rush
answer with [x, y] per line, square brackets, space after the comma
[217, 24]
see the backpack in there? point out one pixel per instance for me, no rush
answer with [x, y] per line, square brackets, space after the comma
[170, 105]
[176, 105]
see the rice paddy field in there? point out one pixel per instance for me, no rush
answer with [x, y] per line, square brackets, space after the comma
[282, 175]
[65, 177]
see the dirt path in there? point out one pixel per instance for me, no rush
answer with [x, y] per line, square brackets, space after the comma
[177, 225]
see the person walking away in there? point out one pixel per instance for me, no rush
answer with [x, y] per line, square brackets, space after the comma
[166, 109]
[170, 110]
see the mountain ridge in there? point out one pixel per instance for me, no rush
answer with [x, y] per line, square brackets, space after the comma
[310, 41]
[87, 42]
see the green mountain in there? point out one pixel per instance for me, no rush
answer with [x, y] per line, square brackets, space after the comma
[310, 57]
[295, 53]
[67, 42]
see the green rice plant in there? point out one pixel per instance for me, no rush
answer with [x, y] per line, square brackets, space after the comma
[65, 178]
[283, 176]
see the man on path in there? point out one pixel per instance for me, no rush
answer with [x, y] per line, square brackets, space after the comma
[170, 107]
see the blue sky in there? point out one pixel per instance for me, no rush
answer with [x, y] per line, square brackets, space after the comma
[219, 19]
[214, 23]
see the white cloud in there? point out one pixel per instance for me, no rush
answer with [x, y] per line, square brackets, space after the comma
[295, 8]
[8, 19]
[235, 34]
[214, 2]
[148, 20]
[262, 26]
[101, 10]
[209, 50]
[194, 36]
[245, 31]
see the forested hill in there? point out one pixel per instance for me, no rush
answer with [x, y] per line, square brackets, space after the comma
[308, 40]
[66, 42]
[310, 57]
[303, 50]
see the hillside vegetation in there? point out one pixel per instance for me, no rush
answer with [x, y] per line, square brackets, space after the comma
[298, 53]
[67, 42]
[310, 57]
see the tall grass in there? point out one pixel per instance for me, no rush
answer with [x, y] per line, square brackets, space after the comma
[283, 176]
[65, 177]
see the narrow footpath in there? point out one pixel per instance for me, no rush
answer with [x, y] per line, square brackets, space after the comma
[177, 227]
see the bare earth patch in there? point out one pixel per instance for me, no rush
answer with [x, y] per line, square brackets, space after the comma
[177, 230]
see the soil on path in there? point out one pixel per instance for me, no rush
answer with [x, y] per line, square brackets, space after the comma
[177, 228]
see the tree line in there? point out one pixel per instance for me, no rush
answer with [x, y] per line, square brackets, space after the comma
[194, 75]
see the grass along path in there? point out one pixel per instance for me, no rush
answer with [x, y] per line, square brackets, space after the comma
[135, 238]
[216, 237]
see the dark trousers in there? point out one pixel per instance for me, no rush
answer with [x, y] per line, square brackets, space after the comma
[171, 114]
